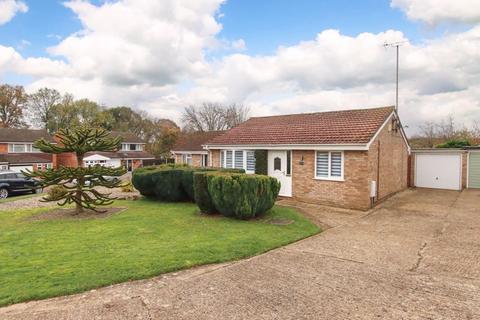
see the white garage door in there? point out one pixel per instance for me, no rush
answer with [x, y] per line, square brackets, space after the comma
[439, 171]
[20, 168]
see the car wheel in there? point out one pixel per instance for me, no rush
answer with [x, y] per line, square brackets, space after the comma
[3, 193]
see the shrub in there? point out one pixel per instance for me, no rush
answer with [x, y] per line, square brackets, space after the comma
[143, 182]
[127, 187]
[202, 197]
[240, 195]
[454, 144]
[56, 192]
[167, 184]
[170, 182]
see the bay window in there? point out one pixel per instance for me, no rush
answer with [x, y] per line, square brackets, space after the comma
[329, 165]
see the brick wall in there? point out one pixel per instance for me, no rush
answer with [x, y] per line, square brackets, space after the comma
[136, 163]
[351, 193]
[214, 158]
[67, 159]
[392, 174]
[464, 169]
[196, 159]
[3, 147]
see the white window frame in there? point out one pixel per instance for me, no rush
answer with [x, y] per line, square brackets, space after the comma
[204, 160]
[186, 157]
[224, 163]
[28, 148]
[330, 177]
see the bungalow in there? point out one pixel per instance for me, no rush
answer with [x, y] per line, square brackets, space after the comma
[189, 148]
[17, 152]
[350, 159]
[130, 155]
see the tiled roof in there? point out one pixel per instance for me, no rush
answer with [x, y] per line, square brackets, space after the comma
[25, 158]
[194, 141]
[127, 137]
[122, 154]
[23, 135]
[334, 127]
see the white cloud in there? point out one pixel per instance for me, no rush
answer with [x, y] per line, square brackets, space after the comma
[9, 8]
[151, 56]
[436, 11]
[337, 71]
[239, 45]
[136, 42]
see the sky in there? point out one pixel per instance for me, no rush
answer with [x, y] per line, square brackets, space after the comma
[275, 56]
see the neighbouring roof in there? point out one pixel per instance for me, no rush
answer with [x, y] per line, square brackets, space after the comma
[321, 128]
[23, 135]
[127, 137]
[194, 141]
[25, 158]
[122, 154]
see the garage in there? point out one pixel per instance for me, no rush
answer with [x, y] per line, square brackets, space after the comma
[20, 168]
[473, 169]
[438, 170]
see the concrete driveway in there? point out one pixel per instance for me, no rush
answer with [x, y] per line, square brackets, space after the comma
[417, 256]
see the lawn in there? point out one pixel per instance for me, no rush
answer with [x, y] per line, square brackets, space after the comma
[41, 258]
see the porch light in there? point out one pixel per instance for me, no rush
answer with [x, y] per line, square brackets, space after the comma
[301, 162]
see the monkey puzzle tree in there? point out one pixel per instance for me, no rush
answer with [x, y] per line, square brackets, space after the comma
[79, 183]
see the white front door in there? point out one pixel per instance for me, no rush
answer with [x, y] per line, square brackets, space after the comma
[278, 162]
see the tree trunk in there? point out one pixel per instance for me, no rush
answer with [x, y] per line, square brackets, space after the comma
[80, 182]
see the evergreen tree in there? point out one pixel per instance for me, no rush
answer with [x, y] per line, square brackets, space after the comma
[79, 183]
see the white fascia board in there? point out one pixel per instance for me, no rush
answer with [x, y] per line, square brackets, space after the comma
[393, 114]
[440, 150]
[96, 157]
[320, 147]
[189, 152]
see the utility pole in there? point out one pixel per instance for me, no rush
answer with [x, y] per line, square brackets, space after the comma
[397, 46]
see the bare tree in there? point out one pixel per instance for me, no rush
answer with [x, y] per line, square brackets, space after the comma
[235, 114]
[476, 129]
[12, 104]
[213, 116]
[42, 105]
[446, 129]
[428, 131]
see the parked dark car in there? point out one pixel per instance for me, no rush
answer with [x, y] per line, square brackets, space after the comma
[14, 182]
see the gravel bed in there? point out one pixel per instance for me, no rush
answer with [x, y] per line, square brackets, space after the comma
[35, 202]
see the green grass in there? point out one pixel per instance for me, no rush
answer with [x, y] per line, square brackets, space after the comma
[40, 259]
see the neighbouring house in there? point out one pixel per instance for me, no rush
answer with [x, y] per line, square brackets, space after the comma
[130, 155]
[350, 159]
[17, 152]
[188, 148]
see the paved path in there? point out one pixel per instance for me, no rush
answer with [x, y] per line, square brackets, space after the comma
[415, 257]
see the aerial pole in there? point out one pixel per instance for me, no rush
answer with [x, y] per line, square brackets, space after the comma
[397, 47]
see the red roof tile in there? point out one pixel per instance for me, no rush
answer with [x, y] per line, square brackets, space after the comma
[194, 141]
[335, 127]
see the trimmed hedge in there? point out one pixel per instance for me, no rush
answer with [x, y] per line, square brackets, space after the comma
[228, 191]
[240, 195]
[202, 197]
[169, 182]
